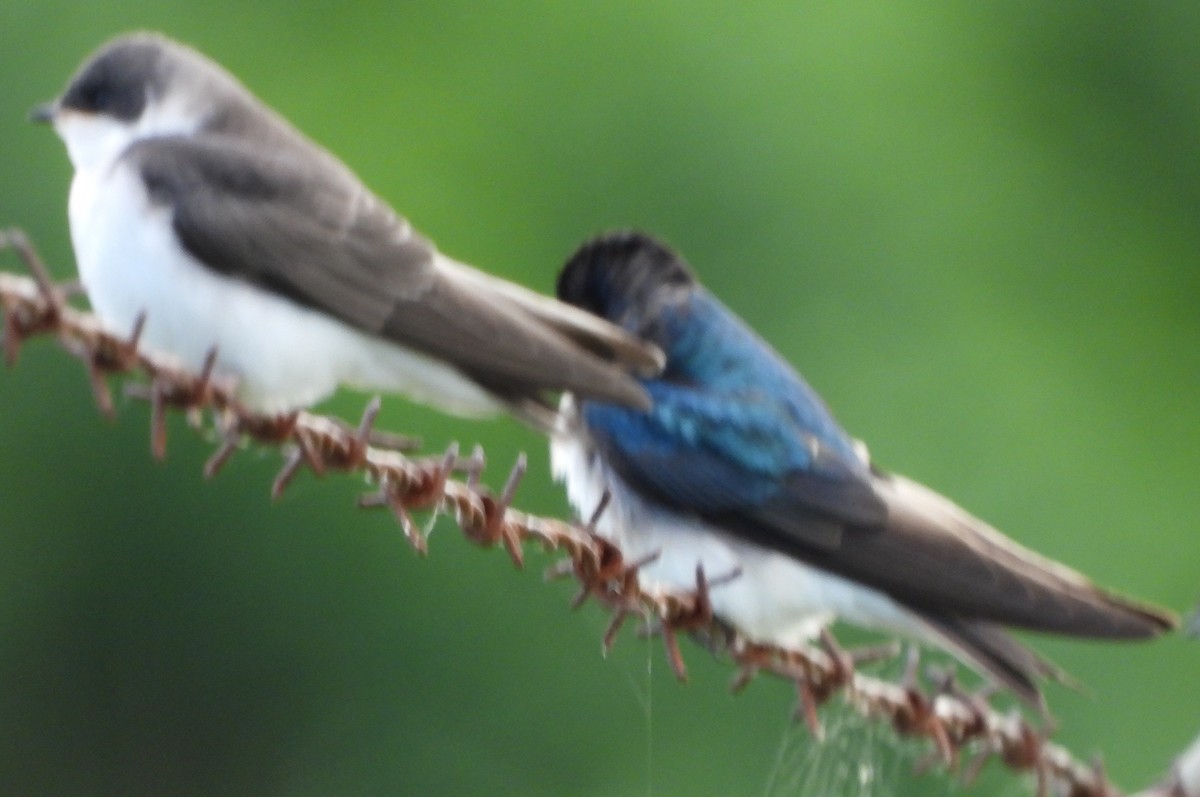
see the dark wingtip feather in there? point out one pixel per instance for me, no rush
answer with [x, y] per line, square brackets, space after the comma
[1101, 614]
[1145, 621]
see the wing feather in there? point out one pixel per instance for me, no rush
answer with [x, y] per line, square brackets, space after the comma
[741, 461]
[312, 233]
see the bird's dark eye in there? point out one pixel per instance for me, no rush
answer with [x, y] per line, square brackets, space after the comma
[91, 96]
[114, 85]
[95, 97]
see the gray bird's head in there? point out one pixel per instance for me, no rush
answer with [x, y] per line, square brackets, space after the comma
[142, 85]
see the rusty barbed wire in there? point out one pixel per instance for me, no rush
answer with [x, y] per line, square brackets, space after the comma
[958, 725]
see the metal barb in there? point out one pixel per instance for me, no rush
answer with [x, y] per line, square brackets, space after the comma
[598, 512]
[12, 338]
[367, 423]
[620, 615]
[507, 535]
[412, 532]
[291, 465]
[100, 391]
[742, 678]
[843, 662]
[806, 709]
[581, 597]
[135, 335]
[515, 475]
[204, 380]
[18, 240]
[674, 656]
[43, 314]
[309, 453]
[449, 460]
[389, 496]
[158, 420]
[975, 767]
[474, 467]
[229, 446]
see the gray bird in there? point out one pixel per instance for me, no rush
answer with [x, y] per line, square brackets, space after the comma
[197, 205]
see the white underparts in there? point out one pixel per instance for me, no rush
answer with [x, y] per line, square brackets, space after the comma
[282, 356]
[774, 598]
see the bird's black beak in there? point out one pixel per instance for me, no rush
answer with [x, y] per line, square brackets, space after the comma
[44, 113]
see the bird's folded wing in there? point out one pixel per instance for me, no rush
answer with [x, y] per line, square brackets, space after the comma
[316, 236]
[745, 466]
[931, 555]
[740, 462]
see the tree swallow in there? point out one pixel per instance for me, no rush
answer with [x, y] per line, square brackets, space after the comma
[196, 205]
[739, 468]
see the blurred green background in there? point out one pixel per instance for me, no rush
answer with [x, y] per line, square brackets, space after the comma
[972, 226]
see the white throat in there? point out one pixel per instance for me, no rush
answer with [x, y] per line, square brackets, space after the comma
[95, 141]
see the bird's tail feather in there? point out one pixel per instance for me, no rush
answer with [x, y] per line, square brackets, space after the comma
[597, 335]
[997, 654]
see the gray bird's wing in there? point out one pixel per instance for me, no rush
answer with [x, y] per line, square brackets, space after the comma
[306, 228]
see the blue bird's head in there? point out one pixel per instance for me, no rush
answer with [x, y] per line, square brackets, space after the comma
[640, 284]
[713, 358]
[630, 279]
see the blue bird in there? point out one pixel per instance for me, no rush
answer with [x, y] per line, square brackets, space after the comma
[740, 468]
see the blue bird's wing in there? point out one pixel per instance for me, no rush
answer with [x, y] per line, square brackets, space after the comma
[747, 466]
[742, 460]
